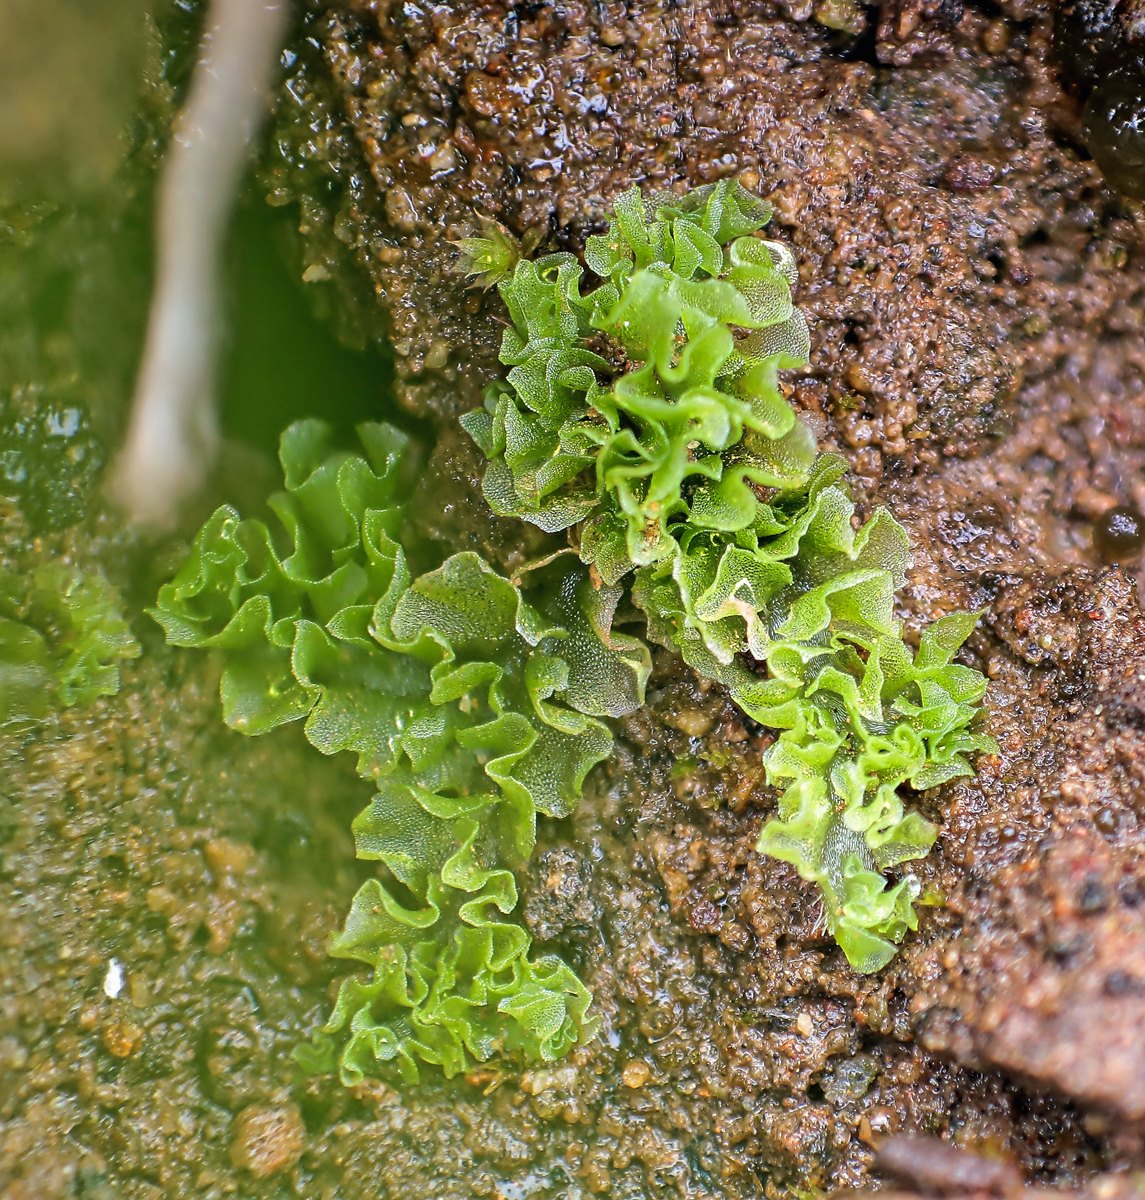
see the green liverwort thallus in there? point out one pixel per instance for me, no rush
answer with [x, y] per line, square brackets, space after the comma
[468, 706]
[642, 415]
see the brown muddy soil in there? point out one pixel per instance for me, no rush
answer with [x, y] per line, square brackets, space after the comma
[977, 301]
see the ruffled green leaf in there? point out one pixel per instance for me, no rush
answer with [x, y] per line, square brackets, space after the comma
[470, 706]
[648, 413]
[573, 438]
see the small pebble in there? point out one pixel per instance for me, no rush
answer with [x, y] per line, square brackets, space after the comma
[694, 722]
[1108, 821]
[636, 1074]
[267, 1139]
[996, 38]
[1119, 534]
[969, 173]
[122, 1039]
[113, 980]
[227, 857]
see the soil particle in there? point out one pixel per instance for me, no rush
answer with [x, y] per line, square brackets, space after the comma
[563, 899]
[267, 1140]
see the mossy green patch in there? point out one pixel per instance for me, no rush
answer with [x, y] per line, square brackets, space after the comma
[645, 416]
[471, 708]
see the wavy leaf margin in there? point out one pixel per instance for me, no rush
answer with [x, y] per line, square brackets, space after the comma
[470, 707]
[645, 416]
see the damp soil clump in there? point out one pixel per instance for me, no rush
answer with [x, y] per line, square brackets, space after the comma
[975, 291]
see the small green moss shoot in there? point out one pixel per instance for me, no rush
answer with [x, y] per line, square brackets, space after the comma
[63, 637]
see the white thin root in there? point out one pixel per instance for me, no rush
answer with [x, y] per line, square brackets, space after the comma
[173, 436]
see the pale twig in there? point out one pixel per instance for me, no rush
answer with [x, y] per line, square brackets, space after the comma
[173, 435]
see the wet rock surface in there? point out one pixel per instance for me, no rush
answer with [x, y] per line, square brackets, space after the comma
[975, 293]
[1100, 49]
[932, 208]
[1047, 977]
